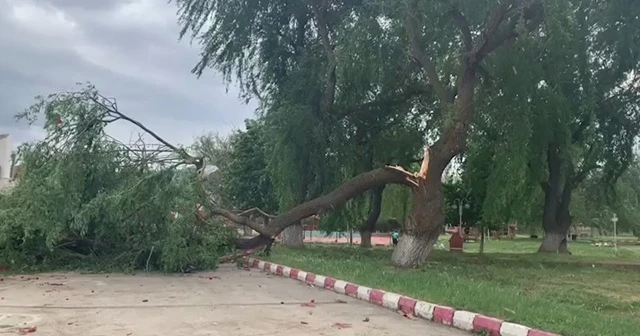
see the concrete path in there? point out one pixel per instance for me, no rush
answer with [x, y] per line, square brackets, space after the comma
[227, 302]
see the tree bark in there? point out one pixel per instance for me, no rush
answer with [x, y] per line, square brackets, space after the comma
[556, 217]
[482, 239]
[293, 236]
[552, 241]
[354, 187]
[365, 238]
[426, 217]
[369, 225]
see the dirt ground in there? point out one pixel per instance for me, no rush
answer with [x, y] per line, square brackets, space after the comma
[229, 301]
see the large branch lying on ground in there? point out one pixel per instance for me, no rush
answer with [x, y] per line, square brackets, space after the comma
[348, 190]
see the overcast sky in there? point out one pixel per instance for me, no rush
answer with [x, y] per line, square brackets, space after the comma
[129, 49]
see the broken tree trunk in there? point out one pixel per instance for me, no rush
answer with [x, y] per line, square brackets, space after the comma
[426, 217]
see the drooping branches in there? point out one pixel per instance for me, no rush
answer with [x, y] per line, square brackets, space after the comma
[119, 205]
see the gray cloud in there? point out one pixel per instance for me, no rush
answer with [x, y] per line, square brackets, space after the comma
[128, 48]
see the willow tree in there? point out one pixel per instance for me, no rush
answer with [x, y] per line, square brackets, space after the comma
[445, 46]
[576, 94]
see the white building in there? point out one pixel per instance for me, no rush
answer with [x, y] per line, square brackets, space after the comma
[5, 160]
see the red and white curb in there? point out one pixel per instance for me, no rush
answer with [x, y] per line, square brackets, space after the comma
[459, 319]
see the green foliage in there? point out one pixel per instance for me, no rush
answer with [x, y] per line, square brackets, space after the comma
[457, 192]
[84, 200]
[277, 57]
[573, 89]
[593, 205]
[247, 183]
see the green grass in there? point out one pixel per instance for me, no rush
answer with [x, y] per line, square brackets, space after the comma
[548, 292]
[581, 250]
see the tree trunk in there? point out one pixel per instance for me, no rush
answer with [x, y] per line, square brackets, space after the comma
[482, 239]
[552, 241]
[365, 239]
[369, 225]
[556, 217]
[421, 230]
[293, 236]
[247, 230]
[426, 217]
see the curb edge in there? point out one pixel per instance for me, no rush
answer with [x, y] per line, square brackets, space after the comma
[444, 315]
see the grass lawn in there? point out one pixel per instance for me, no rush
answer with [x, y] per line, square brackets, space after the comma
[581, 250]
[548, 292]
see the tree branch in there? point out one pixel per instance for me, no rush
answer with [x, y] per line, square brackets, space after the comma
[381, 102]
[588, 165]
[320, 11]
[348, 190]
[463, 24]
[239, 219]
[112, 108]
[420, 56]
[256, 210]
[494, 37]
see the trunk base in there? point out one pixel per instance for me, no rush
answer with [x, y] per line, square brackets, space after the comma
[412, 251]
[293, 236]
[365, 239]
[554, 242]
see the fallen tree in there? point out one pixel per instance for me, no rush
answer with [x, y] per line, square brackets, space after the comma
[448, 44]
[84, 199]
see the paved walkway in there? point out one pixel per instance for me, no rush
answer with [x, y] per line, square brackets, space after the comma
[226, 302]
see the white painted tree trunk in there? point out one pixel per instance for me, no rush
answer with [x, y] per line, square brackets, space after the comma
[293, 236]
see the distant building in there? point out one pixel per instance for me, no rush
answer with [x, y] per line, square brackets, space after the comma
[5, 161]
